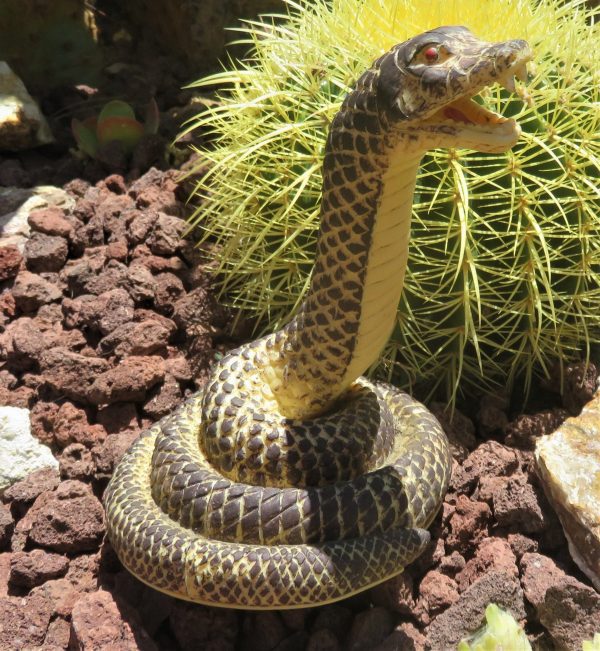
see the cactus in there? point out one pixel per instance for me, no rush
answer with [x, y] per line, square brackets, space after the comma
[504, 266]
[500, 632]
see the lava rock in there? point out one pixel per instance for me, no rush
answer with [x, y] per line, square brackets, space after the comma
[98, 622]
[567, 608]
[50, 221]
[490, 459]
[71, 374]
[129, 381]
[29, 569]
[468, 524]
[493, 554]
[7, 525]
[10, 261]
[76, 462]
[516, 504]
[467, 614]
[31, 291]
[70, 519]
[22, 494]
[369, 628]
[143, 338]
[45, 252]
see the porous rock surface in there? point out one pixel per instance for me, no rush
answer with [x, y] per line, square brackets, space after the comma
[115, 338]
[569, 465]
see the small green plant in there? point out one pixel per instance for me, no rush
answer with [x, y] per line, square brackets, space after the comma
[504, 265]
[501, 633]
[116, 122]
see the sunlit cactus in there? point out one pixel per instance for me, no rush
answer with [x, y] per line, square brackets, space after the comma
[504, 266]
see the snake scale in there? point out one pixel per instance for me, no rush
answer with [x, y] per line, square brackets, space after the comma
[290, 480]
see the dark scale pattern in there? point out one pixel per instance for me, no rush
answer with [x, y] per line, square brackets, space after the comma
[283, 483]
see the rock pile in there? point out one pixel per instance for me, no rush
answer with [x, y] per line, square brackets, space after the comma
[107, 322]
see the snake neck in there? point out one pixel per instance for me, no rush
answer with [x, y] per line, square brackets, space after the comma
[362, 249]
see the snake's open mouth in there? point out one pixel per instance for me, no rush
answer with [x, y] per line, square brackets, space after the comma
[470, 118]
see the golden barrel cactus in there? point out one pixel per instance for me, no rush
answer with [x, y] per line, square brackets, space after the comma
[504, 268]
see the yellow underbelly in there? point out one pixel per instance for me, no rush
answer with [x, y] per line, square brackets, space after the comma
[385, 266]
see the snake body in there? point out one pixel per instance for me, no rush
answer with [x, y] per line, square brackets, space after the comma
[290, 480]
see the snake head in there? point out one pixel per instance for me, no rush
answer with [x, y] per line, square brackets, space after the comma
[426, 85]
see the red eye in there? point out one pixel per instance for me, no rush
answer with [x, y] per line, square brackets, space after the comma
[431, 54]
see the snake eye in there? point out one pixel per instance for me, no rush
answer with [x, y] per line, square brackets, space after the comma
[431, 54]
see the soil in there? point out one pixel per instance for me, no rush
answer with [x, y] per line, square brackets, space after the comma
[108, 320]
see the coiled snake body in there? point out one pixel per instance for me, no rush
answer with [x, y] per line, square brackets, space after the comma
[290, 480]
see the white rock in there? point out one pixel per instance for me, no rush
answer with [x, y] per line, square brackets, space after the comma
[20, 452]
[568, 463]
[22, 125]
[17, 203]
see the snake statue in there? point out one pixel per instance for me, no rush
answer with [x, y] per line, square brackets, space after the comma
[290, 480]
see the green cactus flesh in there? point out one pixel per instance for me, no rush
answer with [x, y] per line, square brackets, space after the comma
[504, 266]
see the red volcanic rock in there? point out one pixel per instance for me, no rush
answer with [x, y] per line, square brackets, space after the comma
[139, 283]
[107, 455]
[21, 344]
[129, 381]
[165, 238]
[103, 313]
[525, 429]
[113, 275]
[169, 289]
[369, 628]
[28, 569]
[22, 494]
[205, 628]
[452, 564]
[466, 615]
[45, 252]
[71, 425]
[30, 291]
[71, 374]
[118, 417]
[144, 338]
[113, 212]
[517, 504]
[396, 594]
[50, 221]
[69, 519]
[567, 608]
[10, 261]
[459, 429]
[156, 190]
[140, 226]
[436, 593]
[117, 251]
[76, 462]
[469, 524]
[335, 618]
[25, 621]
[98, 623]
[163, 399]
[406, 637]
[493, 554]
[490, 459]
[7, 525]
[491, 417]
